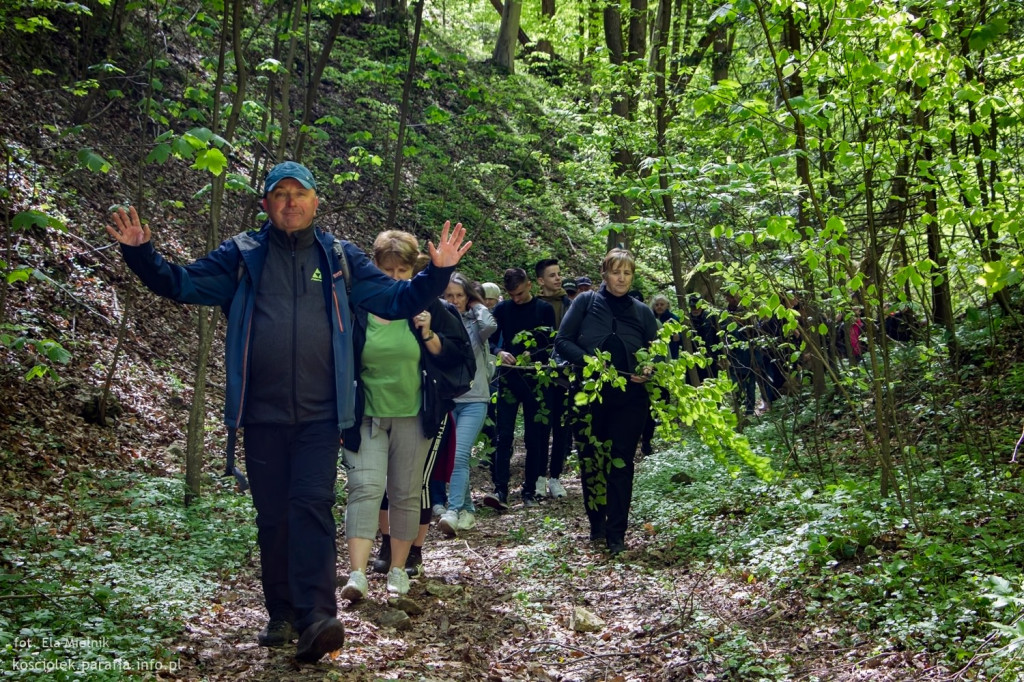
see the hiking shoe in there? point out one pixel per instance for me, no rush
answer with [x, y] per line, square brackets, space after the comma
[496, 500]
[541, 488]
[437, 509]
[383, 561]
[555, 488]
[277, 633]
[322, 637]
[414, 562]
[356, 587]
[616, 547]
[530, 501]
[449, 523]
[467, 519]
[398, 581]
[597, 534]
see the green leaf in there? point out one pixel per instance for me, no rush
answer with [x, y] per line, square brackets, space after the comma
[53, 351]
[18, 275]
[272, 65]
[93, 161]
[212, 160]
[27, 219]
[159, 153]
[986, 34]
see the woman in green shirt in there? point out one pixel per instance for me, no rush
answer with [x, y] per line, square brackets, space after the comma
[397, 415]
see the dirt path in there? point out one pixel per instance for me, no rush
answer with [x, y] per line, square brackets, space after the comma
[498, 604]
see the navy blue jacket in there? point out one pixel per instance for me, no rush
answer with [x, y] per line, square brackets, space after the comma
[228, 277]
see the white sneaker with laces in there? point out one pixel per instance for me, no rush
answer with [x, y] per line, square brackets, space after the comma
[437, 509]
[449, 523]
[542, 487]
[466, 519]
[555, 488]
[356, 587]
[398, 581]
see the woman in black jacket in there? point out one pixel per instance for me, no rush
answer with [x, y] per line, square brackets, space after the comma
[398, 413]
[610, 320]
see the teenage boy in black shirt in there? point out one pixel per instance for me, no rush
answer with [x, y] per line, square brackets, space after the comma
[520, 312]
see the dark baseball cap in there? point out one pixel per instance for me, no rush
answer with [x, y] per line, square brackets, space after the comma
[569, 284]
[288, 169]
[584, 281]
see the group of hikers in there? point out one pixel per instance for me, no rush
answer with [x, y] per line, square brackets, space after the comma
[330, 351]
[399, 363]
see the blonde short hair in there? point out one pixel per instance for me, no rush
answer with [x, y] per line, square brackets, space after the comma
[396, 245]
[617, 257]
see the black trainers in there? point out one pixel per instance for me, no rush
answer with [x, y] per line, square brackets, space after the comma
[530, 501]
[616, 547]
[496, 500]
[414, 562]
[382, 564]
[319, 639]
[597, 534]
[277, 633]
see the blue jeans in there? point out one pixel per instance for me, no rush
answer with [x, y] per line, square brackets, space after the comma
[469, 420]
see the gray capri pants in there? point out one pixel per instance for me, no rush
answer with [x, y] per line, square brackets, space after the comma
[392, 453]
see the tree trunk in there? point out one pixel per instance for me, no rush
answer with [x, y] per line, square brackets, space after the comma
[524, 39]
[313, 86]
[403, 115]
[547, 12]
[195, 441]
[286, 81]
[505, 49]
[622, 158]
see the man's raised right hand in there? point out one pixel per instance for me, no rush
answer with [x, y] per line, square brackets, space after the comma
[127, 229]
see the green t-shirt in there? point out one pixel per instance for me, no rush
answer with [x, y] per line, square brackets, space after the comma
[391, 370]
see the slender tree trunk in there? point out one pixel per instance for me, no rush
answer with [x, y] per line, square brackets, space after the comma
[989, 240]
[403, 114]
[286, 81]
[313, 86]
[622, 158]
[547, 12]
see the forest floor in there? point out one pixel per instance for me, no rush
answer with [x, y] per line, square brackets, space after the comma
[499, 603]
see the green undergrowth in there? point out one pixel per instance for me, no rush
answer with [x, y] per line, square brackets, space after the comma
[98, 585]
[942, 575]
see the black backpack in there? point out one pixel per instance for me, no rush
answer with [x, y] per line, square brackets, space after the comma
[452, 381]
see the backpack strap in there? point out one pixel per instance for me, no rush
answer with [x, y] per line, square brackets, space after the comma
[346, 270]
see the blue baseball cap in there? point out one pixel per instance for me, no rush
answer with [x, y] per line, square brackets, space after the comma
[288, 169]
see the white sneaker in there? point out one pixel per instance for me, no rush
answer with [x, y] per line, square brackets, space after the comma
[437, 509]
[398, 581]
[542, 487]
[449, 523]
[466, 519]
[356, 587]
[555, 488]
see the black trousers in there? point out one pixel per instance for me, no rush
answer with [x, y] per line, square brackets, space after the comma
[555, 399]
[620, 418]
[292, 471]
[514, 390]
